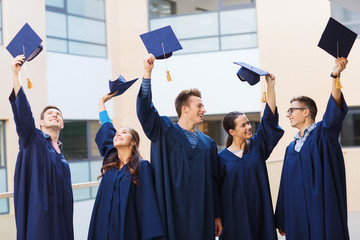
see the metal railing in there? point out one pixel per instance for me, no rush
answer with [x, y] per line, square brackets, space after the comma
[74, 186]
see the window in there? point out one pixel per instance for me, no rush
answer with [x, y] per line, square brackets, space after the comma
[76, 27]
[80, 150]
[1, 41]
[350, 135]
[207, 25]
[348, 18]
[4, 203]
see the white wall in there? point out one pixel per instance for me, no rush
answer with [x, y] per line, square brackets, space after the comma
[214, 74]
[76, 83]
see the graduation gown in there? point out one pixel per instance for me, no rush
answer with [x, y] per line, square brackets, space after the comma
[311, 203]
[246, 206]
[43, 196]
[123, 210]
[186, 179]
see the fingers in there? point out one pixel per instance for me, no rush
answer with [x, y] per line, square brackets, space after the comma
[19, 60]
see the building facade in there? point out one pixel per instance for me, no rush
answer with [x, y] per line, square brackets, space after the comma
[88, 42]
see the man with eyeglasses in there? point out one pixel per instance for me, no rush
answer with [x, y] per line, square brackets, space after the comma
[312, 196]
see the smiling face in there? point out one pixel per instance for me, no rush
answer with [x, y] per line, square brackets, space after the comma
[52, 118]
[194, 110]
[242, 130]
[123, 138]
[297, 114]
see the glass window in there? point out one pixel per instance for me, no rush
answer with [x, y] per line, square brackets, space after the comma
[350, 135]
[76, 27]
[348, 18]
[161, 8]
[87, 8]
[1, 41]
[74, 139]
[80, 150]
[216, 28]
[235, 2]
[4, 203]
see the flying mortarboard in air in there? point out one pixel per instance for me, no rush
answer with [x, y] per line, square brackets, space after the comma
[26, 42]
[337, 40]
[120, 85]
[251, 74]
[161, 43]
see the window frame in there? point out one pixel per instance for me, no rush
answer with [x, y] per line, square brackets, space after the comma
[353, 110]
[219, 35]
[3, 154]
[65, 12]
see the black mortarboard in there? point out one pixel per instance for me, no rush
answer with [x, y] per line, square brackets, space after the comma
[250, 73]
[26, 42]
[161, 42]
[337, 39]
[120, 85]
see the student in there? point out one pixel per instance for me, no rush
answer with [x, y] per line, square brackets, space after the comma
[312, 196]
[43, 196]
[246, 206]
[125, 205]
[185, 163]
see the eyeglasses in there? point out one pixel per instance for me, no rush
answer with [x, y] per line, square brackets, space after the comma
[290, 110]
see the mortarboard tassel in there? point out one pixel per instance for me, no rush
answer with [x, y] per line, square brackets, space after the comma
[263, 99]
[29, 83]
[337, 81]
[168, 77]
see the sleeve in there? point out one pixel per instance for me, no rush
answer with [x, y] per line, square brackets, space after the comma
[146, 206]
[104, 138]
[148, 115]
[334, 117]
[216, 179]
[280, 208]
[269, 132]
[24, 120]
[104, 117]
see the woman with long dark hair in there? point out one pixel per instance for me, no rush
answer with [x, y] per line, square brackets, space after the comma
[246, 206]
[125, 206]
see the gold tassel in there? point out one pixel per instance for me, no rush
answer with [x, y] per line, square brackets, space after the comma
[168, 76]
[338, 83]
[29, 83]
[263, 99]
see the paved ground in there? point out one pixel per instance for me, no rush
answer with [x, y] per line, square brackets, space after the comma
[83, 211]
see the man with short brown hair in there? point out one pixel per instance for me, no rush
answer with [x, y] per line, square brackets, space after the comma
[43, 196]
[185, 163]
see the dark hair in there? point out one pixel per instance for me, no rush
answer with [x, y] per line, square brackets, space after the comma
[113, 161]
[47, 108]
[229, 123]
[309, 103]
[183, 97]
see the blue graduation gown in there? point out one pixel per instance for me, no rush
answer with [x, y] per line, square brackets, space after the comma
[43, 196]
[123, 210]
[246, 206]
[186, 179]
[312, 196]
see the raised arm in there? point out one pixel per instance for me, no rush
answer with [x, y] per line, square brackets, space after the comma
[336, 108]
[148, 116]
[340, 65]
[104, 137]
[271, 101]
[25, 124]
[16, 67]
[103, 115]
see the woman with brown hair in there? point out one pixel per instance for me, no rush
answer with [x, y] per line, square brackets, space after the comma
[246, 206]
[125, 206]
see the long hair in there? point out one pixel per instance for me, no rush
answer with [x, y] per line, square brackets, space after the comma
[113, 161]
[229, 123]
